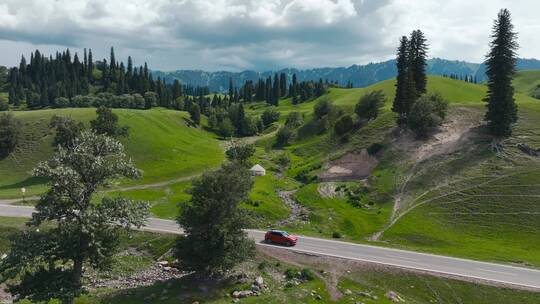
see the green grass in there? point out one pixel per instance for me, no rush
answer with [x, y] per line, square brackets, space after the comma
[328, 215]
[474, 204]
[526, 82]
[416, 288]
[160, 143]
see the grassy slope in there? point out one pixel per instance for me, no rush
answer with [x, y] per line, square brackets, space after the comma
[526, 82]
[160, 142]
[501, 226]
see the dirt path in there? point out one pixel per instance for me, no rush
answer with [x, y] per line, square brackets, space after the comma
[298, 212]
[452, 135]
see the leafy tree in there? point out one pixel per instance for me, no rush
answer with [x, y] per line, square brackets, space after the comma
[214, 223]
[225, 128]
[427, 113]
[294, 120]
[240, 153]
[70, 230]
[343, 125]
[106, 123]
[370, 105]
[67, 131]
[283, 136]
[269, 116]
[195, 113]
[323, 108]
[500, 69]
[10, 129]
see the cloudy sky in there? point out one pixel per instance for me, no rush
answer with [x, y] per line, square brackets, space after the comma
[257, 34]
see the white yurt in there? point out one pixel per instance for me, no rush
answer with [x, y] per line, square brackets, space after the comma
[257, 170]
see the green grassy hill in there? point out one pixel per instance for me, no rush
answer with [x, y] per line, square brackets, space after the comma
[160, 142]
[472, 202]
[527, 82]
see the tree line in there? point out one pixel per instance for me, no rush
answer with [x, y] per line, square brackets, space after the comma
[64, 80]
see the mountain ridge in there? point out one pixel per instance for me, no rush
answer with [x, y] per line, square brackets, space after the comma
[359, 75]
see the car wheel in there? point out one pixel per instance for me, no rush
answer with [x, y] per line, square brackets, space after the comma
[267, 241]
[288, 244]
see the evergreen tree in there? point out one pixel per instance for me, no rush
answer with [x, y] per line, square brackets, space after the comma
[401, 103]
[417, 61]
[500, 69]
[276, 90]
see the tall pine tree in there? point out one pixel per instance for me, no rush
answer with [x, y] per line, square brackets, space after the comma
[500, 69]
[401, 103]
[417, 60]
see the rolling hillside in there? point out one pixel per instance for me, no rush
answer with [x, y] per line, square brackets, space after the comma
[160, 143]
[449, 195]
[528, 82]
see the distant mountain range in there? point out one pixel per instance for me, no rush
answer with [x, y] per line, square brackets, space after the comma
[359, 75]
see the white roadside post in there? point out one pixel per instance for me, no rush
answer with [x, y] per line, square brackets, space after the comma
[23, 191]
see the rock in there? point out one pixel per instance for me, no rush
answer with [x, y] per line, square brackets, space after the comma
[318, 297]
[363, 294]
[163, 263]
[235, 300]
[259, 281]
[255, 288]
[242, 293]
[167, 268]
[348, 292]
[394, 297]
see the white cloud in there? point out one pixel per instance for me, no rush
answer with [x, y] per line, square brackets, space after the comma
[257, 34]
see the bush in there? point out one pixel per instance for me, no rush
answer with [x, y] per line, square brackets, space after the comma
[4, 106]
[283, 160]
[269, 116]
[307, 274]
[343, 125]
[61, 102]
[323, 108]
[225, 128]
[291, 273]
[426, 114]
[294, 120]
[283, 136]
[375, 148]
[369, 105]
[9, 133]
[336, 235]
[262, 265]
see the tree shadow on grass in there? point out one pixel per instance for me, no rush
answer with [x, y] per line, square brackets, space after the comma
[188, 289]
[28, 182]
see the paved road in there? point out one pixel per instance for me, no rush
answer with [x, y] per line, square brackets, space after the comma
[518, 276]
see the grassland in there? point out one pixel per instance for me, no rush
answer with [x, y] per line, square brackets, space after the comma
[526, 82]
[161, 144]
[483, 220]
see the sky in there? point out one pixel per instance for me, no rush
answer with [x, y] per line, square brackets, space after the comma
[258, 35]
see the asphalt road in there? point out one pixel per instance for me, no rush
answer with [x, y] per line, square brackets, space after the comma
[511, 275]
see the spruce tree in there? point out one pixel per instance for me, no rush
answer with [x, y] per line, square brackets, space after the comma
[400, 105]
[500, 69]
[417, 60]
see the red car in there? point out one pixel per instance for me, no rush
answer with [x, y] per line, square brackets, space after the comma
[280, 237]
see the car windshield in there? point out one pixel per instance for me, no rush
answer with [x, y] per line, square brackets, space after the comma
[284, 233]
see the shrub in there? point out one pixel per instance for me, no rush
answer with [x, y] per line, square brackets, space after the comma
[336, 235]
[323, 108]
[426, 114]
[369, 105]
[262, 265]
[307, 274]
[343, 125]
[61, 102]
[290, 273]
[269, 116]
[294, 120]
[9, 133]
[283, 159]
[375, 148]
[283, 136]
[4, 106]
